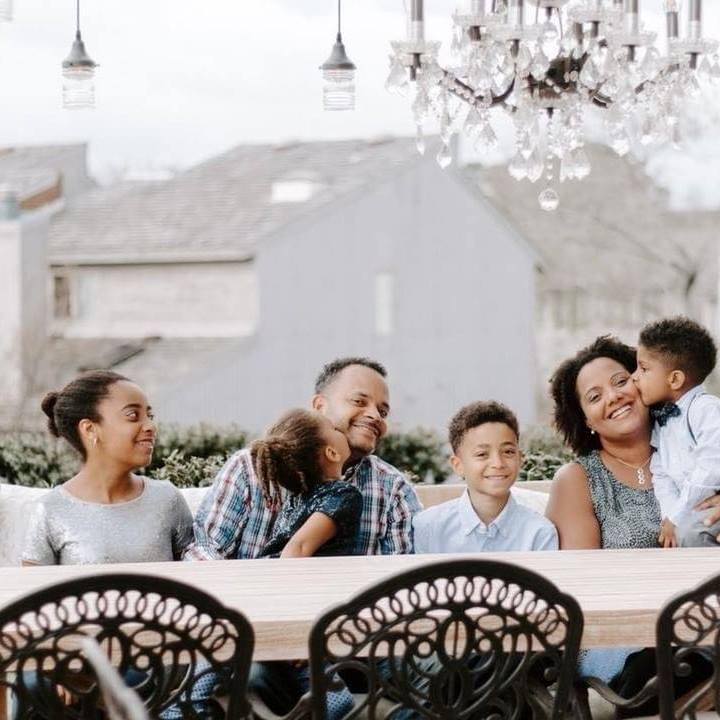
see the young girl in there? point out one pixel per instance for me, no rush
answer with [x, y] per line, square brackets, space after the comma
[299, 463]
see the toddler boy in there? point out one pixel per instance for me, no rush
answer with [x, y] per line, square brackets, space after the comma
[674, 358]
[484, 437]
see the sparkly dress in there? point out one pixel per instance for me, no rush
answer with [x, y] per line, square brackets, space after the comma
[338, 500]
[628, 518]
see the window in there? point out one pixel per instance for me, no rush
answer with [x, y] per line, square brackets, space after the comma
[384, 297]
[62, 301]
[293, 191]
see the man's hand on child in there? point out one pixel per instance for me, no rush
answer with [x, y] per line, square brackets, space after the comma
[667, 537]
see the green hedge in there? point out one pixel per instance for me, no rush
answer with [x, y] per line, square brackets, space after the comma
[190, 457]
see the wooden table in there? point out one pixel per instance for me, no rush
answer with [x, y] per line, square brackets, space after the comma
[620, 591]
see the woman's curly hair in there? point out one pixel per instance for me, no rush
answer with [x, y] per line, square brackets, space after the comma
[569, 418]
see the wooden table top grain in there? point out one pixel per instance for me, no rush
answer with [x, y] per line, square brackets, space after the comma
[619, 591]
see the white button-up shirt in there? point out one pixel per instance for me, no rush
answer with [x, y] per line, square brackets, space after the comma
[454, 527]
[686, 470]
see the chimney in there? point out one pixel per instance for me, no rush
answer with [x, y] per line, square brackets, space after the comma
[23, 299]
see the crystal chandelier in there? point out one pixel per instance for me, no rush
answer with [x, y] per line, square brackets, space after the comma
[78, 71]
[545, 62]
[338, 72]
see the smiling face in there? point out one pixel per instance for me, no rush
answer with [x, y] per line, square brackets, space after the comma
[356, 403]
[611, 402]
[126, 431]
[488, 458]
[652, 377]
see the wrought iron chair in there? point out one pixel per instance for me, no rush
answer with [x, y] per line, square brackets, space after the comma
[120, 702]
[175, 645]
[687, 636]
[462, 639]
[689, 625]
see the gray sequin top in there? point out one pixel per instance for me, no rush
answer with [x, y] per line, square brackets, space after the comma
[628, 518]
[64, 530]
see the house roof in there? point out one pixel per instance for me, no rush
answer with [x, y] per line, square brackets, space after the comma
[154, 363]
[33, 169]
[219, 210]
[613, 231]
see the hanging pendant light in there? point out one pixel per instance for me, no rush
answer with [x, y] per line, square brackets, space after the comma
[78, 70]
[338, 72]
[6, 10]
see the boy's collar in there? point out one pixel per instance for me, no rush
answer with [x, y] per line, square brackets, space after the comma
[685, 399]
[470, 520]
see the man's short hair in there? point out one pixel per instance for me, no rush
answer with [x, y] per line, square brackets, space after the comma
[479, 413]
[334, 368]
[683, 345]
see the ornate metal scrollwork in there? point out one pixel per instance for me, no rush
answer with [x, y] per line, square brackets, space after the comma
[688, 630]
[460, 640]
[165, 638]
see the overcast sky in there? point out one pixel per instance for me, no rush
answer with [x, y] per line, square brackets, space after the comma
[181, 80]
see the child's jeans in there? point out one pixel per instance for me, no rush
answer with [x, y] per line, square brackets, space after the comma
[281, 684]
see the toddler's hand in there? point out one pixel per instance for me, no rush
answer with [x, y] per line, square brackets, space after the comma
[667, 538]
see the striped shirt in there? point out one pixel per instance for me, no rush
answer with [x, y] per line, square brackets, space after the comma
[233, 520]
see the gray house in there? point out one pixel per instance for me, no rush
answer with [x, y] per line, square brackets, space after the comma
[411, 267]
[613, 256]
[224, 289]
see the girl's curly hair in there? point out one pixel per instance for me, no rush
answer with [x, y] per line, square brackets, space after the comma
[288, 457]
[569, 418]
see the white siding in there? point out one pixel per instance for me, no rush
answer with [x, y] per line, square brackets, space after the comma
[180, 300]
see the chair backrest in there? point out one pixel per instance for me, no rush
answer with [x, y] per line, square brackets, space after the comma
[688, 634]
[166, 639]
[463, 639]
[119, 701]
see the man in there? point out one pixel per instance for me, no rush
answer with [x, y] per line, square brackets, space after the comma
[234, 521]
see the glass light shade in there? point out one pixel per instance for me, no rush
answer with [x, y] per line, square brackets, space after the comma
[78, 87]
[339, 89]
[6, 10]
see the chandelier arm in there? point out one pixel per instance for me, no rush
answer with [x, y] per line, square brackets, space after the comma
[462, 90]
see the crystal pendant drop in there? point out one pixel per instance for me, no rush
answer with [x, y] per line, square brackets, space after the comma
[420, 140]
[548, 32]
[444, 157]
[536, 165]
[581, 164]
[397, 80]
[487, 137]
[540, 65]
[589, 75]
[705, 68]
[518, 167]
[715, 71]
[524, 60]
[549, 199]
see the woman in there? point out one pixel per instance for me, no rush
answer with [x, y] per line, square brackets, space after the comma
[106, 513]
[605, 498]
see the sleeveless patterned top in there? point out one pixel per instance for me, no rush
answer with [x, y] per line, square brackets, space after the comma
[628, 518]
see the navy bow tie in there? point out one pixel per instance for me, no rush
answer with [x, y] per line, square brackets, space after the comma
[664, 412]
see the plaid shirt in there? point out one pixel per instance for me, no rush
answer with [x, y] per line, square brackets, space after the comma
[233, 520]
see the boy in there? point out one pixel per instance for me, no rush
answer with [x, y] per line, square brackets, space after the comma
[674, 358]
[484, 437]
